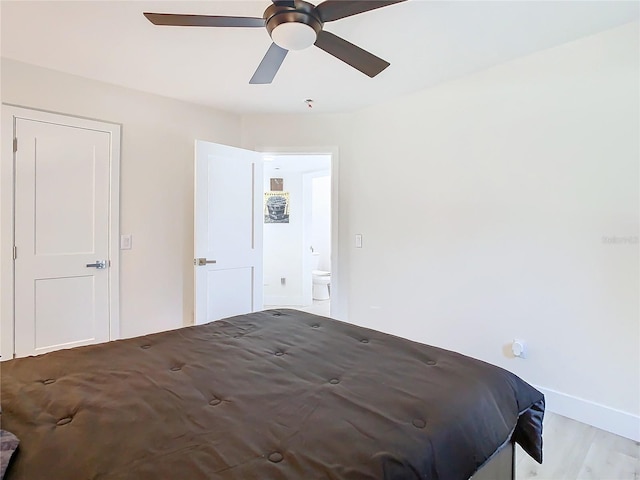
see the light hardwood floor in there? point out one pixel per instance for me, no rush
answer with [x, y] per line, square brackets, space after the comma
[573, 450]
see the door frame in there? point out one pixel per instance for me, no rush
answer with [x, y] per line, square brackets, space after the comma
[9, 113]
[338, 304]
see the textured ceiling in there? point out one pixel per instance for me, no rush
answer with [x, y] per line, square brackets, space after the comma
[427, 42]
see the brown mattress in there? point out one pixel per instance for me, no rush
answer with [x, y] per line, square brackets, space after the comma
[270, 395]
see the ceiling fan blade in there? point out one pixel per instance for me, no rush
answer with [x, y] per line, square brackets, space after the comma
[180, 20]
[351, 54]
[331, 10]
[269, 65]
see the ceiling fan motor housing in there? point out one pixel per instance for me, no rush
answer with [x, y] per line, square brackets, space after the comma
[293, 28]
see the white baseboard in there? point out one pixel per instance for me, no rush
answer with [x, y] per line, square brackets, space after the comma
[600, 416]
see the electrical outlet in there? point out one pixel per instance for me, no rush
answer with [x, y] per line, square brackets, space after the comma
[519, 348]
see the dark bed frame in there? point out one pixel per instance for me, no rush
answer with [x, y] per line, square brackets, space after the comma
[501, 466]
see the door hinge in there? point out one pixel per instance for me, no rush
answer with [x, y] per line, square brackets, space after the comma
[15, 145]
[15, 252]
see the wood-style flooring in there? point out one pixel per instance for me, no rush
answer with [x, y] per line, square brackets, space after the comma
[573, 450]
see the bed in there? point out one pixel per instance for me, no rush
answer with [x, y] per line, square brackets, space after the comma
[278, 394]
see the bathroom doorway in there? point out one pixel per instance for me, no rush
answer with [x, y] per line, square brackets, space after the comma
[297, 240]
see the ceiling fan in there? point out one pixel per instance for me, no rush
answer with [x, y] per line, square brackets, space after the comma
[294, 25]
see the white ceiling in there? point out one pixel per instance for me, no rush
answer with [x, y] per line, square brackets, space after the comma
[427, 42]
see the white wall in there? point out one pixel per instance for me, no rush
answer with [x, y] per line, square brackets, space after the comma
[484, 202]
[282, 244]
[156, 182]
[321, 220]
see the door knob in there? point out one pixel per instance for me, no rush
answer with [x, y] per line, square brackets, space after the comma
[202, 261]
[100, 264]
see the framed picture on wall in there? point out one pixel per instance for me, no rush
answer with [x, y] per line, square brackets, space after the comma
[276, 184]
[276, 207]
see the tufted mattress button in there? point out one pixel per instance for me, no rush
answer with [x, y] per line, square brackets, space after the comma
[145, 346]
[277, 314]
[215, 401]
[279, 354]
[275, 457]
[315, 325]
[364, 340]
[48, 381]
[431, 362]
[175, 369]
[419, 423]
[63, 421]
[334, 381]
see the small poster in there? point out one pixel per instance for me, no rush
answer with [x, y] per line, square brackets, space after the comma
[276, 207]
[277, 184]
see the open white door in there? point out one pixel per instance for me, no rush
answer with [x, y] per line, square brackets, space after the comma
[228, 232]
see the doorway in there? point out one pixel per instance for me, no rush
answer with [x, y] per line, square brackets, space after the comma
[209, 258]
[297, 236]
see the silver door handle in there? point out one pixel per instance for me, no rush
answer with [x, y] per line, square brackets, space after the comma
[100, 264]
[202, 261]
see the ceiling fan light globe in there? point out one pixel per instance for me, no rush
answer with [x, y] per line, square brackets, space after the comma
[293, 35]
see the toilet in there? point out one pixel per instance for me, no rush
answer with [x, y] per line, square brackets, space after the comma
[321, 284]
[321, 280]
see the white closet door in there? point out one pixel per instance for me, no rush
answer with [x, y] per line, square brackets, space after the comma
[62, 221]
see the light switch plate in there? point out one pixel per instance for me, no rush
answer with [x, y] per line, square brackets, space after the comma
[358, 240]
[126, 242]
